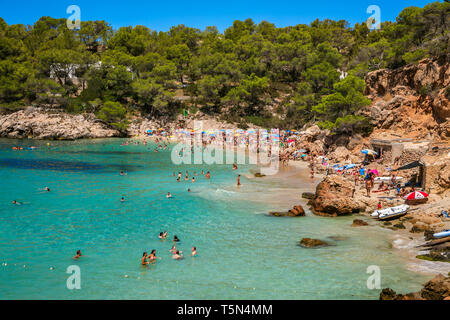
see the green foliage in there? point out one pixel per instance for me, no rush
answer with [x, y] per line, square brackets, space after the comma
[114, 114]
[252, 73]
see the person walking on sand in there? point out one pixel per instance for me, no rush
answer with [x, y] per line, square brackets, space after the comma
[368, 184]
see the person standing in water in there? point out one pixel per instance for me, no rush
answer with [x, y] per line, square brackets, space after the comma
[208, 175]
[168, 196]
[194, 251]
[122, 199]
[144, 261]
[178, 255]
[175, 239]
[238, 180]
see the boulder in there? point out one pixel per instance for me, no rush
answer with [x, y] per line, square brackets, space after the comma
[334, 198]
[312, 243]
[436, 289]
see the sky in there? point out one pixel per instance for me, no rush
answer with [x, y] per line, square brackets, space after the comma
[161, 15]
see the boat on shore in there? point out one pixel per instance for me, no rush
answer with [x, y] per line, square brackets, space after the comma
[443, 234]
[386, 179]
[391, 213]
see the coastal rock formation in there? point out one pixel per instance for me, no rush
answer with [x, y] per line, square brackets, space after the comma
[32, 123]
[312, 243]
[296, 211]
[334, 197]
[359, 223]
[436, 289]
[412, 101]
[308, 195]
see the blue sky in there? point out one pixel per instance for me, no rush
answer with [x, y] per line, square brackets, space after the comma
[161, 15]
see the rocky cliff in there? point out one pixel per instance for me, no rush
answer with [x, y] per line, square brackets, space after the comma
[412, 101]
[33, 123]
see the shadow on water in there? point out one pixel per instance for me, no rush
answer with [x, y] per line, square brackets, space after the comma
[60, 165]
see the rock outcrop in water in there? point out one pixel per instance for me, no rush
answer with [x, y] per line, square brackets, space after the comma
[296, 211]
[436, 289]
[334, 197]
[32, 123]
[312, 243]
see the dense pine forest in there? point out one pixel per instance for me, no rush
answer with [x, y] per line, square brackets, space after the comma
[249, 74]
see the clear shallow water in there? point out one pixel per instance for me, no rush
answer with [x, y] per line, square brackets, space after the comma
[243, 253]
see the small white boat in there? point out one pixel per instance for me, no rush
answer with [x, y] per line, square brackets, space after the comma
[386, 179]
[443, 234]
[391, 213]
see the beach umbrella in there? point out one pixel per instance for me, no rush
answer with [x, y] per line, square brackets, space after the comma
[416, 195]
[375, 171]
[369, 152]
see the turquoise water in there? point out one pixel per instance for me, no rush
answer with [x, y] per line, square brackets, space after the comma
[243, 253]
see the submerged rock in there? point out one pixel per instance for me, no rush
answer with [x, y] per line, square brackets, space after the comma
[297, 211]
[359, 223]
[312, 243]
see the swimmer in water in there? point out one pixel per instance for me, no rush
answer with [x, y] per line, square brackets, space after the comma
[162, 236]
[203, 172]
[189, 190]
[121, 172]
[178, 179]
[152, 256]
[238, 180]
[15, 202]
[178, 255]
[234, 166]
[144, 261]
[194, 251]
[122, 199]
[193, 179]
[78, 255]
[47, 189]
[168, 195]
[208, 175]
[175, 239]
[173, 250]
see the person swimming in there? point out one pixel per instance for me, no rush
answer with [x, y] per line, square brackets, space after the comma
[175, 239]
[178, 179]
[161, 236]
[178, 255]
[47, 189]
[173, 250]
[189, 190]
[152, 256]
[208, 175]
[78, 255]
[168, 195]
[193, 179]
[15, 202]
[194, 251]
[121, 172]
[234, 166]
[144, 261]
